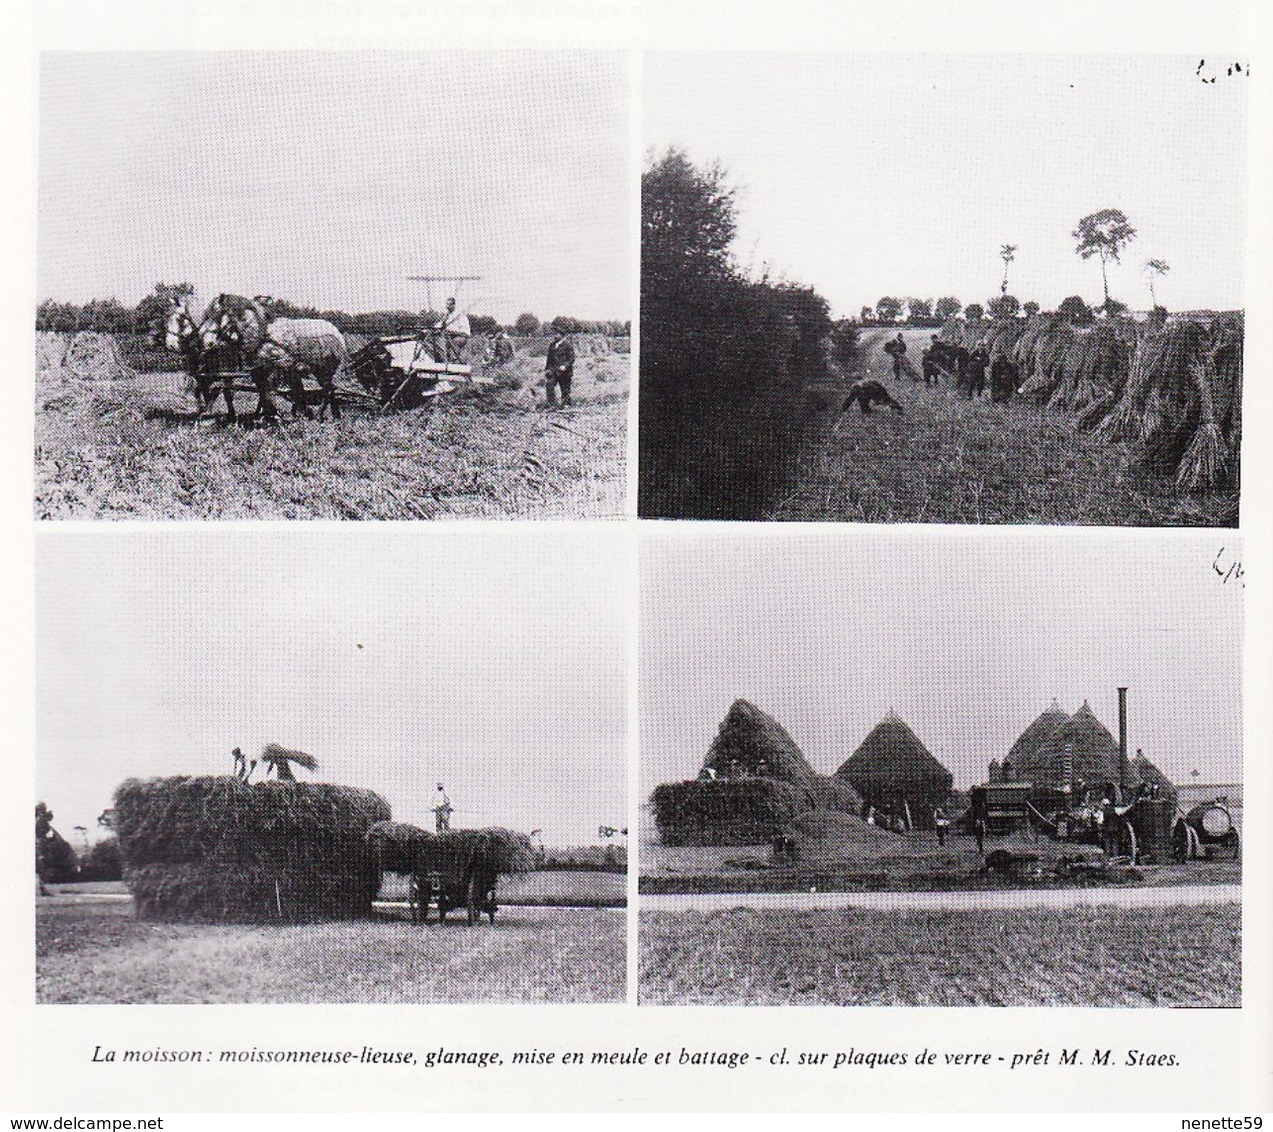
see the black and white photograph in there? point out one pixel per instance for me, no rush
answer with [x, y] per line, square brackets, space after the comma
[905, 771]
[376, 285]
[943, 288]
[400, 777]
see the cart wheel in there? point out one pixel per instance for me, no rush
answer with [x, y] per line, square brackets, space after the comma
[1180, 842]
[474, 911]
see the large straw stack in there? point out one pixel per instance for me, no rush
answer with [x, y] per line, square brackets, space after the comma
[755, 782]
[1183, 402]
[217, 849]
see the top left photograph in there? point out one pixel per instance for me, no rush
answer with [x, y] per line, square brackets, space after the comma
[308, 285]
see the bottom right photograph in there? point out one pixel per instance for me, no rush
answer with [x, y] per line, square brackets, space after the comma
[911, 768]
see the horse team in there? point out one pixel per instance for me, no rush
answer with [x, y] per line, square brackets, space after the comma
[236, 337]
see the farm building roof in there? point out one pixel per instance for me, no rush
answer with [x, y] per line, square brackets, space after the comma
[758, 744]
[892, 758]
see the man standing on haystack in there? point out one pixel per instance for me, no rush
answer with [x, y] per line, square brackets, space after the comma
[441, 810]
[559, 369]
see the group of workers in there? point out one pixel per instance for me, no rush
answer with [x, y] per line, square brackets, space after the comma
[559, 365]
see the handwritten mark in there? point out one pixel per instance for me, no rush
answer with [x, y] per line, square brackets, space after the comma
[1229, 569]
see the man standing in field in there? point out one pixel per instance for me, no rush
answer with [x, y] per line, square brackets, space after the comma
[559, 369]
[898, 351]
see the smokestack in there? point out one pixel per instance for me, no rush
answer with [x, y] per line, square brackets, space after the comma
[1122, 741]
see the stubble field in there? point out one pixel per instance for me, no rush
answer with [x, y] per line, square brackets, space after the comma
[131, 448]
[946, 459]
[96, 952]
[1096, 956]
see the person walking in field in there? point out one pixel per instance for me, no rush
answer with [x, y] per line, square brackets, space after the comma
[559, 369]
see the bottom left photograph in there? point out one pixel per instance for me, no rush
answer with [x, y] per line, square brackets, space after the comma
[308, 767]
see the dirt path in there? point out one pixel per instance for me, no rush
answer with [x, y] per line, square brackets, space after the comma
[1004, 900]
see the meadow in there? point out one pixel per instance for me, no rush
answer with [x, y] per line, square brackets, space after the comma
[1086, 956]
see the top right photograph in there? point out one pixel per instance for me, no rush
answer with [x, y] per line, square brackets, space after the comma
[943, 289]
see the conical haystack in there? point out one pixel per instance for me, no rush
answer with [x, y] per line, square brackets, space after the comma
[751, 742]
[1034, 736]
[1093, 755]
[893, 770]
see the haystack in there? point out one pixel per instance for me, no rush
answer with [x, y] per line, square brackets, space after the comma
[1035, 735]
[732, 811]
[1183, 401]
[893, 770]
[750, 741]
[1093, 755]
[755, 781]
[218, 849]
[96, 357]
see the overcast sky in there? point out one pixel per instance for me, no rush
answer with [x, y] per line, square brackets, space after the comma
[490, 661]
[967, 638]
[903, 175]
[329, 178]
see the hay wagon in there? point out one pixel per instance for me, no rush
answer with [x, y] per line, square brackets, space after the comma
[455, 870]
[1206, 831]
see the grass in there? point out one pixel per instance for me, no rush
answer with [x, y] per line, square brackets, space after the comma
[98, 953]
[879, 861]
[951, 460]
[1097, 956]
[131, 449]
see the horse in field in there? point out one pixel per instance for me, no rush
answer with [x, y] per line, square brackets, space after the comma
[235, 336]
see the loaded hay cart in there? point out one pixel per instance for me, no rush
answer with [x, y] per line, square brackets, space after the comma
[457, 869]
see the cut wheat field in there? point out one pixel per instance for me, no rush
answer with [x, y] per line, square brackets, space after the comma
[89, 952]
[1101, 956]
[131, 448]
[946, 459]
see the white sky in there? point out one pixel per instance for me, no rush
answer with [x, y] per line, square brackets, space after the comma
[968, 639]
[329, 178]
[903, 175]
[489, 662]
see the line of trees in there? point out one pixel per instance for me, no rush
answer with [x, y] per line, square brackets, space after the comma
[109, 316]
[56, 860]
[723, 355]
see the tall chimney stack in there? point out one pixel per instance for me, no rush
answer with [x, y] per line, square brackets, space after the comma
[1122, 741]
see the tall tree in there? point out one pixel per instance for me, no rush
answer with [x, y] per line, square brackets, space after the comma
[888, 308]
[947, 307]
[1155, 269]
[1105, 234]
[1007, 253]
[919, 310]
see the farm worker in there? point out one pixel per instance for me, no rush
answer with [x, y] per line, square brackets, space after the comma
[456, 328]
[441, 810]
[501, 348]
[940, 821]
[559, 368]
[979, 831]
[899, 349]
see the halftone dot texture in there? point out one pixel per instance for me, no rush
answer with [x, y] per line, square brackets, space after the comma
[967, 642]
[328, 178]
[491, 663]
